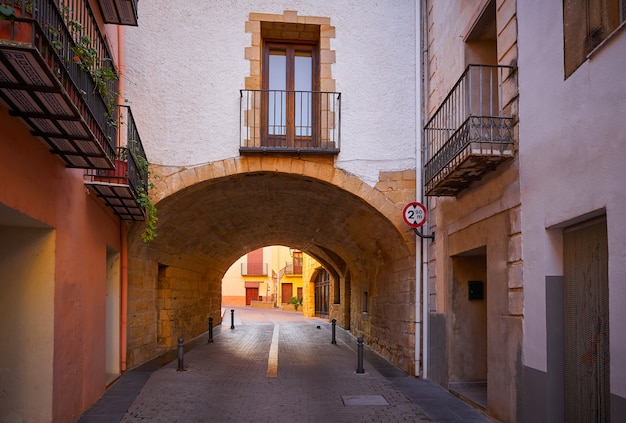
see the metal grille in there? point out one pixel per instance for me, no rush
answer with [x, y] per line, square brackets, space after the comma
[290, 121]
[471, 132]
[586, 320]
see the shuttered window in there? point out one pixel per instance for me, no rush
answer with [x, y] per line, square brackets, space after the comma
[586, 23]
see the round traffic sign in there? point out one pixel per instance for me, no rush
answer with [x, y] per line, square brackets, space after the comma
[414, 214]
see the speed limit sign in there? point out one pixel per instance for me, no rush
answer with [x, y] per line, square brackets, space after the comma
[414, 214]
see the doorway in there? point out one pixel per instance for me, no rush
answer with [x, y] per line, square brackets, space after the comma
[468, 360]
[586, 322]
[27, 266]
[112, 316]
[289, 79]
[286, 290]
[252, 294]
[322, 289]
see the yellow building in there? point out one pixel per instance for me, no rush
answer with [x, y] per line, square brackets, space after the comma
[270, 277]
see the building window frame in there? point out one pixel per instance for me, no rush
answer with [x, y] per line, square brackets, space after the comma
[587, 25]
[289, 114]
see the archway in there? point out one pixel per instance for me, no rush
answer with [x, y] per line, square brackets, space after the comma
[211, 215]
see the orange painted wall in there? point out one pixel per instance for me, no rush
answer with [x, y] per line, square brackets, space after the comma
[37, 183]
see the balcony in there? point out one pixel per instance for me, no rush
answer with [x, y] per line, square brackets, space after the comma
[470, 134]
[119, 12]
[124, 188]
[293, 268]
[278, 121]
[57, 76]
[253, 269]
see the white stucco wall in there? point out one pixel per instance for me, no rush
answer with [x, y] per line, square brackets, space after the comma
[572, 155]
[185, 66]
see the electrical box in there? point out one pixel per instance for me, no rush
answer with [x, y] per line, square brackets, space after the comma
[475, 290]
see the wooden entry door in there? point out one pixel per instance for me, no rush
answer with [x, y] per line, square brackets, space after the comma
[586, 322]
[252, 294]
[286, 292]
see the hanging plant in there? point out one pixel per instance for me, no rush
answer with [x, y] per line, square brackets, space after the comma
[143, 191]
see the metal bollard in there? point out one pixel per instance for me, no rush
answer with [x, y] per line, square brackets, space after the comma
[181, 352]
[232, 319]
[359, 366]
[210, 330]
[334, 324]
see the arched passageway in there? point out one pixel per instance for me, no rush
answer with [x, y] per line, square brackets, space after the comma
[211, 215]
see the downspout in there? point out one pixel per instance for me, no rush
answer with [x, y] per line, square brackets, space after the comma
[418, 177]
[425, 243]
[123, 295]
[422, 259]
[123, 230]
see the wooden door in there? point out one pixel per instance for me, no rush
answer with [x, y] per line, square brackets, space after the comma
[286, 292]
[252, 294]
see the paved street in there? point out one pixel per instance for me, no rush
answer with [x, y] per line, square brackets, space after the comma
[275, 367]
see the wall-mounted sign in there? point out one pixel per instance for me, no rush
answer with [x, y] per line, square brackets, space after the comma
[414, 214]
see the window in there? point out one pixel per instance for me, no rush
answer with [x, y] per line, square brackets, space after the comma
[297, 262]
[289, 83]
[289, 103]
[586, 23]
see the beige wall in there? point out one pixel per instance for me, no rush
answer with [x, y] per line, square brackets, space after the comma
[27, 308]
[482, 341]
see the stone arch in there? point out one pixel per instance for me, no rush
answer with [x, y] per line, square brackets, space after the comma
[169, 180]
[210, 215]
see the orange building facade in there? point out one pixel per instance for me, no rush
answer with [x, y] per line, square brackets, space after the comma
[62, 240]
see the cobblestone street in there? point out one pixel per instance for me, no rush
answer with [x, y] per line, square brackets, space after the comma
[237, 378]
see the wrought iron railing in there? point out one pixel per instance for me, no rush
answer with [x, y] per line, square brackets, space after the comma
[131, 139]
[130, 173]
[293, 268]
[253, 269]
[470, 121]
[67, 36]
[131, 163]
[290, 121]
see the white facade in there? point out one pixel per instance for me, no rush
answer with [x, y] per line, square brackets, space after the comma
[186, 94]
[572, 149]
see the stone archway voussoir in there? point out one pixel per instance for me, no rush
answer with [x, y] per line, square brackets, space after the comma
[171, 180]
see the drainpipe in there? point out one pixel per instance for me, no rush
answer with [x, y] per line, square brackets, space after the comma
[421, 259]
[123, 229]
[123, 295]
[418, 174]
[423, 45]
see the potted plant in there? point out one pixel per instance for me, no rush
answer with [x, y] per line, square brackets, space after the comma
[297, 302]
[22, 31]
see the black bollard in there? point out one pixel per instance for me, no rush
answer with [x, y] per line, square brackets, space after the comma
[210, 330]
[181, 352]
[232, 319]
[334, 324]
[359, 366]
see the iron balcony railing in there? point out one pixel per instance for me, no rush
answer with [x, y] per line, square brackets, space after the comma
[58, 76]
[124, 188]
[293, 269]
[253, 269]
[470, 132]
[290, 121]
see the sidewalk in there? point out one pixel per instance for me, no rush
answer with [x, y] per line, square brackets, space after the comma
[275, 367]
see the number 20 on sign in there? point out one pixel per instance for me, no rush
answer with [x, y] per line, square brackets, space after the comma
[414, 214]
